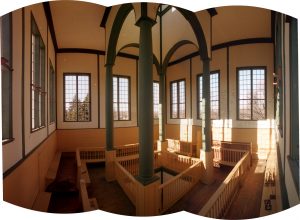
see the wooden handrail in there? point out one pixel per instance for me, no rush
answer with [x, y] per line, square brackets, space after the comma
[212, 201]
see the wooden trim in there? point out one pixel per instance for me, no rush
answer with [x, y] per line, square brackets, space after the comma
[212, 11]
[98, 81]
[7, 141]
[105, 17]
[47, 10]
[93, 51]
[23, 80]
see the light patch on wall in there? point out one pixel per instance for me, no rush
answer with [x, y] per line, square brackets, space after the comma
[265, 137]
[228, 130]
[186, 130]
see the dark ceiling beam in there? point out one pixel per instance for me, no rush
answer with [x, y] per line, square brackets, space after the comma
[92, 51]
[165, 10]
[48, 14]
[212, 12]
[225, 45]
[105, 17]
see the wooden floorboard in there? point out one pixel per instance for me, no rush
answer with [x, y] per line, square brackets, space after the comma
[247, 203]
[196, 198]
[109, 195]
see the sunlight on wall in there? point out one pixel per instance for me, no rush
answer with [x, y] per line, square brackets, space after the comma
[222, 130]
[265, 137]
[186, 130]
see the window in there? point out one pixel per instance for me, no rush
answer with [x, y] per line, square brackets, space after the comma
[37, 78]
[178, 99]
[214, 95]
[52, 92]
[251, 93]
[77, 98]
[121, 105]
[6, 68]
[155, 100]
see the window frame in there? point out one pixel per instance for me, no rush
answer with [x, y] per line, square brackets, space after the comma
[8, 64]
[52, 97]
[156, 118]
[64, 96]
[171, 98]
[42, 93]
[251, 68]
[198, 95]
[118, 102]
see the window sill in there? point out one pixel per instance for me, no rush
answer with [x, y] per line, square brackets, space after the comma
[7, 141]
[37, 129]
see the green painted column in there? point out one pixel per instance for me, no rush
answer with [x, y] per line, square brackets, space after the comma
[162, 105]
[145, 102]
[109, 108]
[206, 122]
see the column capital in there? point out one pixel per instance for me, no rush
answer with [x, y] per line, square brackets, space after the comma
[145, 19]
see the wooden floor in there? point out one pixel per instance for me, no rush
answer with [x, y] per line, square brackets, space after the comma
[109, 195]
[195, 199]
[247, 203]
[62, 200]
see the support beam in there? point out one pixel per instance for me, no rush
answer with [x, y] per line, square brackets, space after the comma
[145, 102]
[162, 107]
[109, 108]
[206, 153]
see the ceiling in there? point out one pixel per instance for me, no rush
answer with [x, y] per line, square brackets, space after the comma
[77, 25]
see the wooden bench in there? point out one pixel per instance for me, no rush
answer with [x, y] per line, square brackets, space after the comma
[52, 171]
[88, 204]
[42, 201]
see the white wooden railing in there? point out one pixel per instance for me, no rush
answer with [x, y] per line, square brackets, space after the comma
[181, 147]
[177, 162]
[127, 181]
[91, 154]
[227, 156]
[221, 200]
[171, 191]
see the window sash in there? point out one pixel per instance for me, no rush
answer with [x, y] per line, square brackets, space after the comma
[155, 100]
[121, 98]
[79, 108]
[178, 99]
[253, 96]
[6, 68]
[52, 94]
[38, 81]
[214, 95]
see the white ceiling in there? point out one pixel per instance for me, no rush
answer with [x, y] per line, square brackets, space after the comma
[77, 25]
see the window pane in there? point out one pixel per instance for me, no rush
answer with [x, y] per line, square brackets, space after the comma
[71, 111]
[258, 109]
[83, 111]
[174, 111]
[83, 89]
[181, 110]
[121, 98]
[155, 99]
[245, 109]
[123, 111]
[182, 92]
[244, 84]
[174, 92]
[258, 84]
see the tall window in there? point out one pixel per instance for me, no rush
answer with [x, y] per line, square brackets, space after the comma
[178, 99]
[155, 99]
[214, 95]
[77, 98]
[121, 104]
[37, 78]
[6, 68]
[52, 93]
[251, 93]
